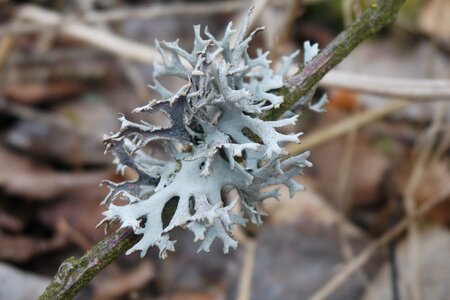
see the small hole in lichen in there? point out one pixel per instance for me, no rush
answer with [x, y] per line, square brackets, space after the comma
[223, 155]
[169, 210]
[251, 135]
[192, 210]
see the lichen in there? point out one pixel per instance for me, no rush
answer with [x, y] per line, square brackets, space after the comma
[217, 141]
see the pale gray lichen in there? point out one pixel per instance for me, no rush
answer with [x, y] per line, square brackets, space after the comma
[218, 115]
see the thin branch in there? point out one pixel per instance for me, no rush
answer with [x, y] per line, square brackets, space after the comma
[337, 129]
[245, 282]
[344, 199]
[75, 273]
[129, 70]
[143, 12]
[409, 198]
[166, 10]
[408, 89]
[96, 37]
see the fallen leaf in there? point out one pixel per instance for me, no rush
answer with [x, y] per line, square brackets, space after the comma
[366, 173]
[434, 21]
[9, 222]
[434, 185]
[22, 248]
[200, 295]
[342, 99]
[308, 204]
[77, 213]
[21, 176]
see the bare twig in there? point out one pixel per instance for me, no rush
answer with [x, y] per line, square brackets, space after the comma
[165, 10]
[245, 282]
[410, 200]
[408, 89]
[343, 197]
[144, 12]
[349, 269]
[75, 273]
[129, 70]
[335, 130]
[99, 38]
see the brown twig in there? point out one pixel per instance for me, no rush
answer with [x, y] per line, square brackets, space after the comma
[344, 199]
[245, 282]
[99, 38]
[166, 10]
[424, 155]
[75, 273]
[419, 90]
[335, 130]
[143, 12]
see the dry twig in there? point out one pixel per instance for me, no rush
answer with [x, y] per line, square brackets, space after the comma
[96, 37]
[413, 183]
[408, 89]
[245, 282]
[144, 12]
[343, 198]
[166, 10]
[333, 131]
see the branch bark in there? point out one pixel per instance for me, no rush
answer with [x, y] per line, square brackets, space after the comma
[75, 273]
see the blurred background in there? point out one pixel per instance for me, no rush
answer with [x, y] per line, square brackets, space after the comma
[372, 224]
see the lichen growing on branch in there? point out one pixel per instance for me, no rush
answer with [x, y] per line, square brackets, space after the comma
[217, 142]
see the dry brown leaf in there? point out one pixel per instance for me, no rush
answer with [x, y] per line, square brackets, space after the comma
[22, 248]
[342, 99]
[434, 20]
[21, 176]
[308, 204]
[201, 295]
[434, 185]
[10, 223]
[77, 213]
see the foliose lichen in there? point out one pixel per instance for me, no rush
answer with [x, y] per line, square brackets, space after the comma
[217, 141]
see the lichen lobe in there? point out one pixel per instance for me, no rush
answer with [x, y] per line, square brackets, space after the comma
[224, 98]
